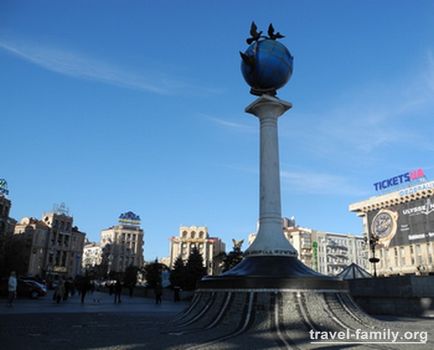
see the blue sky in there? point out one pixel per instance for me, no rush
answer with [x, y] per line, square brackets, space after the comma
[112, 106]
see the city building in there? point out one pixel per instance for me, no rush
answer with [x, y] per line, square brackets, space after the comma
[333, 252]
[5, 206]
[400, 225]
[92, 255]
[34, 235]
[124, 243]
[53, 246]
[6, 223]
[165, 261]
[196, 237]
[326, 252]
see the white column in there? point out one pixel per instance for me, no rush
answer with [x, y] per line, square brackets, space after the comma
[270, 239]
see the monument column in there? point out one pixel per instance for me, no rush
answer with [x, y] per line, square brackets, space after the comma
[269, 239]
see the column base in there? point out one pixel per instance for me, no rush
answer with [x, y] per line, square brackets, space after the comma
[272, 272]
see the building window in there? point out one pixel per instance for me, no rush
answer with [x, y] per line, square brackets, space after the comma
[402, 253]
[57, 259]
[418, 255]
[429, 252]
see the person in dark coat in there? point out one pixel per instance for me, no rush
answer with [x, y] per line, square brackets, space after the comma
[84, 287]
[118, 291]
[176, 293]
[158, 290]
[67, 290]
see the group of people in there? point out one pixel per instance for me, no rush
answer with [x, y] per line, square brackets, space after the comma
[67, 287]
[64, 289]
[116, 288]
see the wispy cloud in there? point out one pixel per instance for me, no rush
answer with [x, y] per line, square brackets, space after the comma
[319, 183]
[308, 181]
[229, 124]
[81, 66]
[371, 119]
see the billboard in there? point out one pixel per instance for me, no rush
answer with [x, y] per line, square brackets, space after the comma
[403, 224]
[409, 176]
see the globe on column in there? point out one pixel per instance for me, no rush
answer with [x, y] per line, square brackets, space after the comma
[266, 64]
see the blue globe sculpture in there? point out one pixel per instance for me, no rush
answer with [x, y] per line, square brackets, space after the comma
[266, 66]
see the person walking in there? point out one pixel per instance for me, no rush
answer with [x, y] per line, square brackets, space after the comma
[176, 293]
[158, 290]
[12, 288]
[60, 291]
[84, 287]
[68, 287]
[118, 291]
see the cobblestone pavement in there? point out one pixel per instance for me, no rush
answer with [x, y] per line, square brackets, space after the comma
[135, 324]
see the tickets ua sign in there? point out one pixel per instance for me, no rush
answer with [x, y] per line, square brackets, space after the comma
[400, 179]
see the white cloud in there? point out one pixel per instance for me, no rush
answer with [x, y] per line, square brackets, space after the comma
[231, 125]
[365, 121]
[318, 183]
[81, 66]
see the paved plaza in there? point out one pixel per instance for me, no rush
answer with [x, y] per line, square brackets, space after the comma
[136, 323]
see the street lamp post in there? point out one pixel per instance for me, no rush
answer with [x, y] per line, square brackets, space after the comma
[373, 241]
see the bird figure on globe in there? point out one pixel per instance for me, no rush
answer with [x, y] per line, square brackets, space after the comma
[267, 64]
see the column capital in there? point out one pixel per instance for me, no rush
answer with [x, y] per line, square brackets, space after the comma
[273, 107]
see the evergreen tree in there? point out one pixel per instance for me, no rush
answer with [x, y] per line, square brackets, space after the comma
[130, 276]
[194, 269]
[153, 273]
[103, 268]
[16, 255]
[233, 258]
[178, 274]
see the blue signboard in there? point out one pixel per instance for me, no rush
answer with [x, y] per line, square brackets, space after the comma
[399, 179]
[129, 218]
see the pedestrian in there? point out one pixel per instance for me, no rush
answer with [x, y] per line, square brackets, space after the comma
[84, 287]
[158, 290]
[118, 291]
[131, 289]
[60, 291]
[176, 293]
[67, 286]
[12, 288]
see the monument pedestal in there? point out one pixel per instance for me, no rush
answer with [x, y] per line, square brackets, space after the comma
[270, 296]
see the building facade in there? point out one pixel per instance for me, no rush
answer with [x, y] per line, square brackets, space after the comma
[92, 255]
[7, 224]
[326, 252]
[5, 206]
[191, 237]
[34, 233]
[124, 243]
[400, 227]
[54, 247]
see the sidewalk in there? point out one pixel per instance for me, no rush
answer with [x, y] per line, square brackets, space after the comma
[94, 303]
